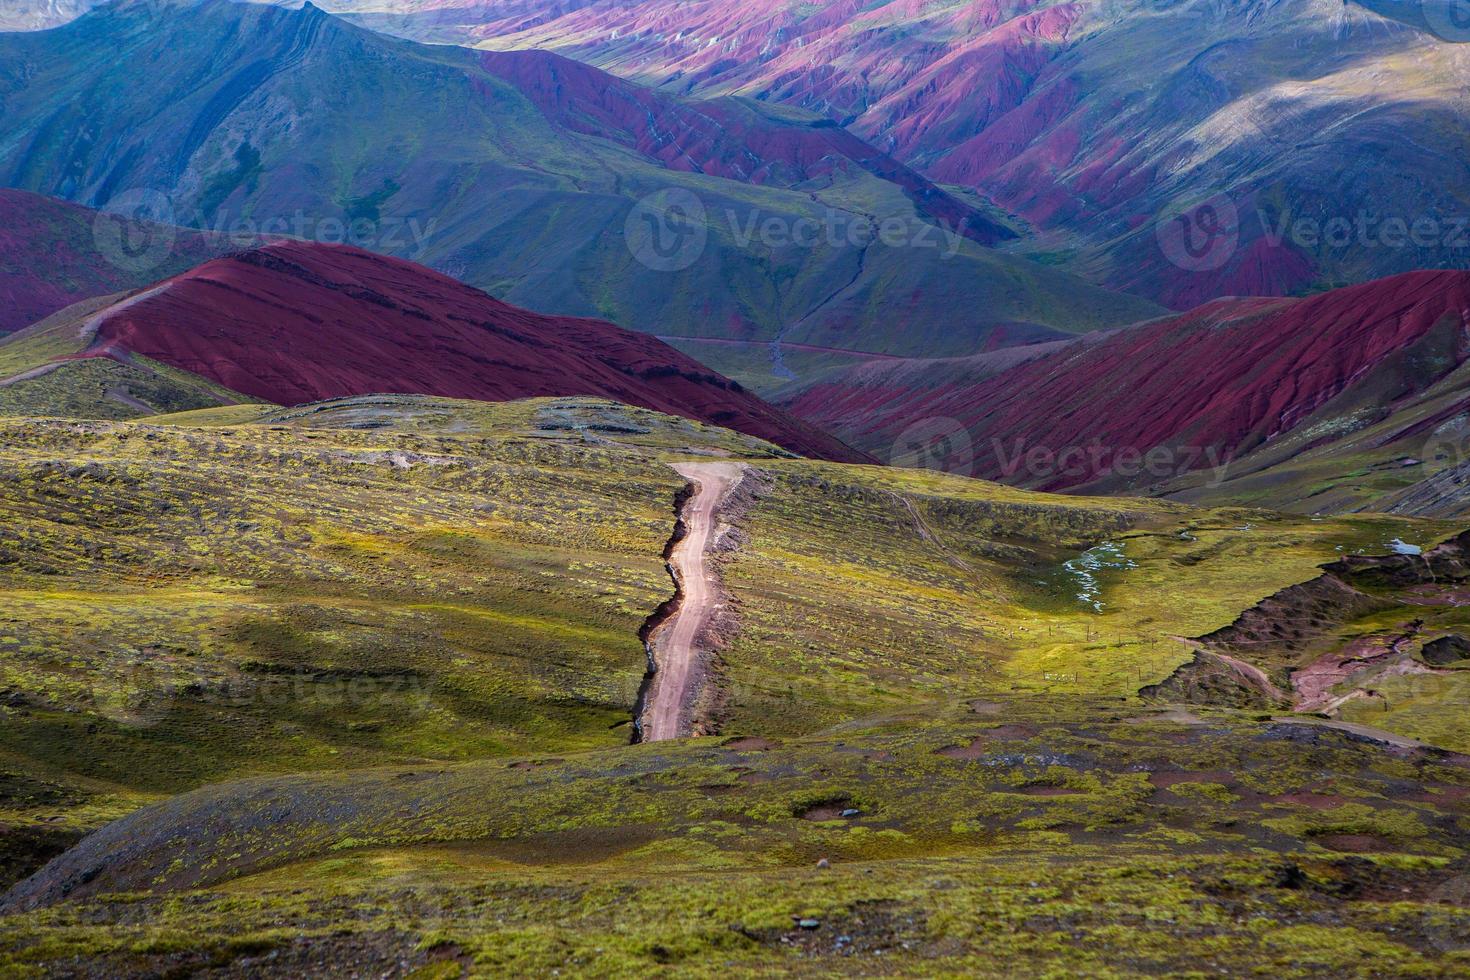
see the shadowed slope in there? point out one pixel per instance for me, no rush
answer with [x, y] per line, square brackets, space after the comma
[722, 137]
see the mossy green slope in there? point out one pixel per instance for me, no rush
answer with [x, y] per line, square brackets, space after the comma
[982, 837]
[41, 376]
[428, 585]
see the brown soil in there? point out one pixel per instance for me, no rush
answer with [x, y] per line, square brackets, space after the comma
[977, 749]
[1173, 777]
[1317, 801]
[1010, 731]
[750, 743]
[1039, 790]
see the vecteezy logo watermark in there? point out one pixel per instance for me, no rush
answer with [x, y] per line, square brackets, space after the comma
[1447, 447]
[1199, 236]
[135, 231]
[392, 234]
[136, 694]
[409, 694]
[940, 444]
[667, 230]
[838, 229]
[1367, 230]
[1448, 19]
[1097, 461]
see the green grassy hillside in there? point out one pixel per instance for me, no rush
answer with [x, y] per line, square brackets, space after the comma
[39, 377]
[989, 837]
[326, 599]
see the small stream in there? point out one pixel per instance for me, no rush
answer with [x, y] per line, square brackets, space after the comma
[1086, 567]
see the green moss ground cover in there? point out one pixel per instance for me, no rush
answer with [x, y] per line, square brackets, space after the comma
[410, 625]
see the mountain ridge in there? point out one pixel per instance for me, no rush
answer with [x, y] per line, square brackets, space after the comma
[1204, 388]
[470, 175]
[292, 322]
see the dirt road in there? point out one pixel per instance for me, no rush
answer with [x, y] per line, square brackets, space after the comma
[676, 648]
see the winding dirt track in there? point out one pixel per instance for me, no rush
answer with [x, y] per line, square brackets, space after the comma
[676, 645]
[87, 332]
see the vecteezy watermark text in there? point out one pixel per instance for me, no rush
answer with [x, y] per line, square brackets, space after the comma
[1206, 235]
[1368, 230]
[1096, 460]
[945, 445]
[1199, 236]
[669, 230]
[136, 231]
[837, 229]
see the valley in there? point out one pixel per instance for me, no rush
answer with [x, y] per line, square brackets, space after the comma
[521, 176]
[1310, 126]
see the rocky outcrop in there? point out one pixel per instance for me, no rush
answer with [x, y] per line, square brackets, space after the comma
[1261, 659]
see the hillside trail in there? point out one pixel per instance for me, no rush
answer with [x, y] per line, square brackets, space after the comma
[86, 333]
[676, 648]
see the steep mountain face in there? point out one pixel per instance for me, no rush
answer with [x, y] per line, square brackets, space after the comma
[1098, 122]
[551, 185]
[1256, 384]
[53, 254]
[294, 322]
[722, 137]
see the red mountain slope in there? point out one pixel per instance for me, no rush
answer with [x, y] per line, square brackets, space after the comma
[1222, 379]
[294, 322]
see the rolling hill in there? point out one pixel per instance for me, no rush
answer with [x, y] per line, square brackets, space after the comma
[552, 186]
[1275, 402]
[295, 322]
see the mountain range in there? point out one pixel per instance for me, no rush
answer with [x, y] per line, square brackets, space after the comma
[683, 488]
[1320, 125]
[524, 175]
[1336, 402]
